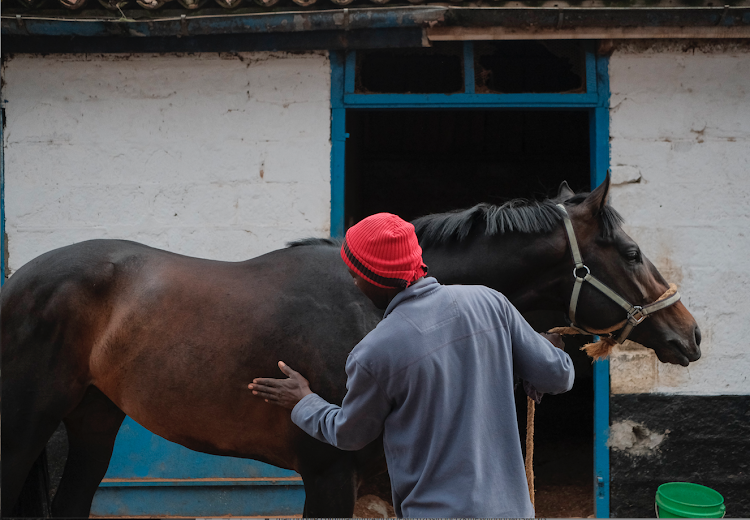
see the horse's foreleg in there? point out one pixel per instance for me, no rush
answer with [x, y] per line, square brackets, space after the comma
[92, 427]
[331, 491]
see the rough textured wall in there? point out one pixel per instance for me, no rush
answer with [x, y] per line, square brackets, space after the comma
[680, 137]
[667, 438]
[217, 156]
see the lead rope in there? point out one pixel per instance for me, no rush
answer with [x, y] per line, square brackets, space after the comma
[530, 409]
[600, 349]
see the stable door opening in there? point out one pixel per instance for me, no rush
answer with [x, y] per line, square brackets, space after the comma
[416, 162]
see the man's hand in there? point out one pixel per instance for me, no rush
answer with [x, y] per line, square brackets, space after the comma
[283, 392]
[555, 339]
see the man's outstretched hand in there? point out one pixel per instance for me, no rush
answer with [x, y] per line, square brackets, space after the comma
[283, 392]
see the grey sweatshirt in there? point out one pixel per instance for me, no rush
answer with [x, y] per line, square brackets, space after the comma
[436, 375]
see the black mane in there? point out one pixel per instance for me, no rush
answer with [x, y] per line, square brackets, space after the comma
[312, 241]
[517, 215]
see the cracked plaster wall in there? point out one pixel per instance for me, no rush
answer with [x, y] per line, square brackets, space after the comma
[680, 145]
[217, 156]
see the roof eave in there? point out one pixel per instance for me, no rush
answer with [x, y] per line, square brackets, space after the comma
[439, 22]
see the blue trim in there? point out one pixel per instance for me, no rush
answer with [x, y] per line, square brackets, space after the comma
[469, 80]
[297, 481]
[600, 157]
[285, 23]
[2, 195]
[349, 72]
[198, 501]
[338, 140]
[403, 101]
[596, 99]
[591, 83]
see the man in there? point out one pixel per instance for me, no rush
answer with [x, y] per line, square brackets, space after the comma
[436, 376]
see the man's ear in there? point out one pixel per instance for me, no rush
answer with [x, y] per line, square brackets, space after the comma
[564, 192]
[598, 198]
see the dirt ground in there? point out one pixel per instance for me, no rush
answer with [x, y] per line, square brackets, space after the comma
[564, 483]
[564, 471]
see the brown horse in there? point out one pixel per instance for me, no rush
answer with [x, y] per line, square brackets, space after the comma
[105, 328]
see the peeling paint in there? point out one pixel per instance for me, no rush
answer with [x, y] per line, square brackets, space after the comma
[635, 439]
[683, 122]
[625, 174]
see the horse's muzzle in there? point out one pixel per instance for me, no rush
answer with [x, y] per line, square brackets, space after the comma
[682, 351]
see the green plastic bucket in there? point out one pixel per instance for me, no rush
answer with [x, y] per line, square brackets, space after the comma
[686, 500]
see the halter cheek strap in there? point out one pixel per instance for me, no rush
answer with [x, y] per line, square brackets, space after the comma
[635, 313]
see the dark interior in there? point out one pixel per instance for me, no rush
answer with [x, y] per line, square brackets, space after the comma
[437, 69]
[509, 67]
[513, 67]
[413, 163]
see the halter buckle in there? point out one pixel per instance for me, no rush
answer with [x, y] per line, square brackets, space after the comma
[636, 315]
[575, 272]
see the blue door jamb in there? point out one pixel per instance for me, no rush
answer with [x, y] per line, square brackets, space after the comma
[595, 100]
[338, 143]
[2, 194]
[599, 139]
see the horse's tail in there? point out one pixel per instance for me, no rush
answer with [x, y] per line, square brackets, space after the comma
[47, 309]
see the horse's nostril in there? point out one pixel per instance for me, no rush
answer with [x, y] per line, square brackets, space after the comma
[697, 333]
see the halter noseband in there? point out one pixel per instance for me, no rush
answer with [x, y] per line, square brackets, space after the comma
[635, 313]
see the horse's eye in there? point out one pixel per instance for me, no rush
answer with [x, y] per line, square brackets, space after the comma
[633, 256]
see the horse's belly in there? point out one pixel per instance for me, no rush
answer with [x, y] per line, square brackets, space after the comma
[240, 428]
[197, 396]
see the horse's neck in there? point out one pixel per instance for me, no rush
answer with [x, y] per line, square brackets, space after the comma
[526, 268]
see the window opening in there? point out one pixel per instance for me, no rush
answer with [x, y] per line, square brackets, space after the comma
[512, 67]
[434, 70]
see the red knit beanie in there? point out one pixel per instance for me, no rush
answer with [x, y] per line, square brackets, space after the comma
[383, 249]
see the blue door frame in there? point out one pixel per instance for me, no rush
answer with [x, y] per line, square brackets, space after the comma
[2, 194]
[595, 100]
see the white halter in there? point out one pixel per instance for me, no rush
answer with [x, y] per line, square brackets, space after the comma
[635, 313]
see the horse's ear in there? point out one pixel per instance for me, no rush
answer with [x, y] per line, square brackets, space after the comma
[598, 198]
[564, 192]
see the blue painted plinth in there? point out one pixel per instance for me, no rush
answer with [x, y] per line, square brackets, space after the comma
[150, 476]
[194, 501]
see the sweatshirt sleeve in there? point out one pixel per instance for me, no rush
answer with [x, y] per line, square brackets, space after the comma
[536, 360]
[357, 422]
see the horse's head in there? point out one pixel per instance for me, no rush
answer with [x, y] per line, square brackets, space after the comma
[617, 261]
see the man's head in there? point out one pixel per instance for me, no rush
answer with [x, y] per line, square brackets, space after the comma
[383, 256]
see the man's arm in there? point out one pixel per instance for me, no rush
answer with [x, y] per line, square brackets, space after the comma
[536, 360]
[357, 422]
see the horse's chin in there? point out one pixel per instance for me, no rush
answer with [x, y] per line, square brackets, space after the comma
[677, 353]
[675, 358]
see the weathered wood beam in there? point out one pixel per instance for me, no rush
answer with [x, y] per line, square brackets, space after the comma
[583, 33]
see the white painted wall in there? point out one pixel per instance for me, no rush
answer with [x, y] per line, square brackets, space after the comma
[218, 156]
[680, 123]
[228, 157]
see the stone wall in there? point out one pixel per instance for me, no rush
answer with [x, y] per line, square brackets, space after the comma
[680, 144]
[218, 156]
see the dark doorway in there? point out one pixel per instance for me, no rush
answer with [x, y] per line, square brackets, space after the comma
[415, 162]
